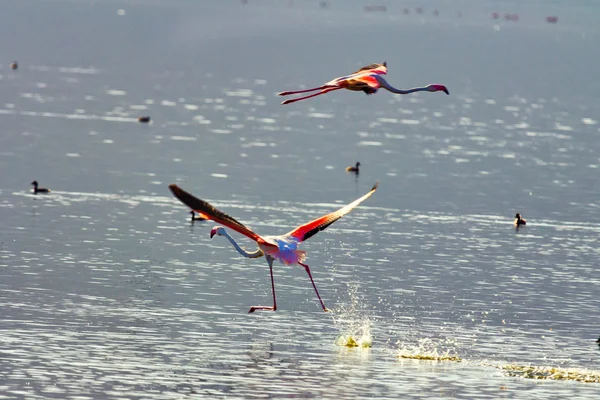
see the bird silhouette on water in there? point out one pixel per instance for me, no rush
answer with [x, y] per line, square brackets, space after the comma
[355, 169]
[196, 217]
[37, 189]
[519, 221]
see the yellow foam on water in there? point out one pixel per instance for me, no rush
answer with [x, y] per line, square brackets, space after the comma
[351, 341]
[552, 373]
[430, 350]
[430, 357]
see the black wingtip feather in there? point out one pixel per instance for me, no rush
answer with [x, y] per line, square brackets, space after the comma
[200, 205]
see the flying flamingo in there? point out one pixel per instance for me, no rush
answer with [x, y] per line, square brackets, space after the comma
[367, 79]
[283, 248]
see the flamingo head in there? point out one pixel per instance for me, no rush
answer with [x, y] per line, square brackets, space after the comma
[217, 230]
[438, 88]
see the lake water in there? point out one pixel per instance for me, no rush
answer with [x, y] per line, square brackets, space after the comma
[107, 290]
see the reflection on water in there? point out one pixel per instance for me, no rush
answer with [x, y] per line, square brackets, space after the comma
[107, 289]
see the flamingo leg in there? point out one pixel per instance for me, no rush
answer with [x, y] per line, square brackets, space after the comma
[314, 286]
[268, 308]
[304, 91]
[312, 95]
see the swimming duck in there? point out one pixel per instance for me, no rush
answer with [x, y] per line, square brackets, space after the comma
[354, 169]
[196, 217]
[37, 189]
[145, 119]
[519, 221]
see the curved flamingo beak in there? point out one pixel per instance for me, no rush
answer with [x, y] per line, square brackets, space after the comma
[443, 89]
[213, 232]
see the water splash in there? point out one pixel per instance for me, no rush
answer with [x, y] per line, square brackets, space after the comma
[353, 322]
[552, 373]
[428, 349]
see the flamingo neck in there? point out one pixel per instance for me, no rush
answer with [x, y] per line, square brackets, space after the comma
[405, 91]
[254, 254]
[383, 83]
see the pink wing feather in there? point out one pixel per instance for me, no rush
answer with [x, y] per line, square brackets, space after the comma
[379, 69]
[308, 230]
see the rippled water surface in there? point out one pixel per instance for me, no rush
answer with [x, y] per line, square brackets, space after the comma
[107, 290]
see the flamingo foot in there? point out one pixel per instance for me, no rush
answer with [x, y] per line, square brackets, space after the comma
[266, 308]
[325, 309]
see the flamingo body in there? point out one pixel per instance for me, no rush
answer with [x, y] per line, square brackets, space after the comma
[287, 249]
[367, 79]
[283, 248]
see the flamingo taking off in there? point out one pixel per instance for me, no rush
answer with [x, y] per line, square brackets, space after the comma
[283, 247]
[367, 79]
[37, 189]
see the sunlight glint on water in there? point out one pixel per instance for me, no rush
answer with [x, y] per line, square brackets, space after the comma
[107, 289]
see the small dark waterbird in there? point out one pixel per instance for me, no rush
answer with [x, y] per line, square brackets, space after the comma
[196, 217]
[144, 120]
[519, 221]
[14, 65]
[37, 189]
[355, 169]
[367, 79]
[283, 247]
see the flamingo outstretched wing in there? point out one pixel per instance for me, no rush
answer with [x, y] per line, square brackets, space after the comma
[308, 230]
[375, 68]
[208, 211]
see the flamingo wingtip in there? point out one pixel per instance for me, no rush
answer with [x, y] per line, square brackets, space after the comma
[175, 190]
[375, 186]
